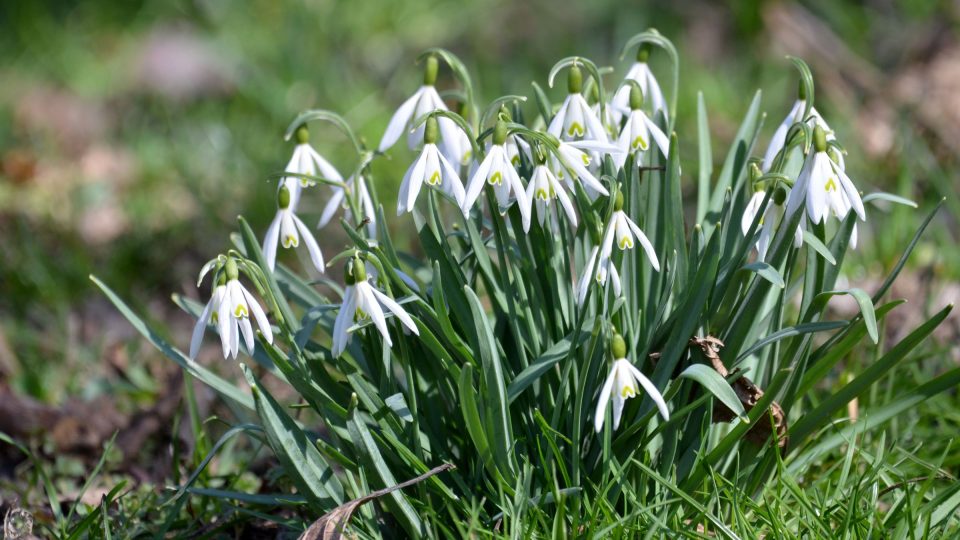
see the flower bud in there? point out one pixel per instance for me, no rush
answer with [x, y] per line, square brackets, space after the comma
[430, 68]
[500, 133]
[618, 347]
[355, 271]
[430, 132]
[283, 197]
[819, 139]
[574, 79]
[779, 196]
[643, 52]
[303, 134]
[618, 202]
[636, 97]
[231, 269]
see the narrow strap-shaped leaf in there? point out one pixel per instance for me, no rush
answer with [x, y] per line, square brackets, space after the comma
[767, 272]
[790, 331]
[541, 365]
[716, 385]
[301, 460]
[811, 240]
[252, 246]
[206, 376]
[705, 154]
[906, 253]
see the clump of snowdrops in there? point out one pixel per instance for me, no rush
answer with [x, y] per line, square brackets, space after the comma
[571, 350]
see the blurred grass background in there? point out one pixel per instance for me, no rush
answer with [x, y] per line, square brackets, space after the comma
[133, 133]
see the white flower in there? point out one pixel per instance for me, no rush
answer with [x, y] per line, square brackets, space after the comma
[285, 230]
[424, 101]
[233, 315]
[769, 221]
[576, 120]
[636, 134]
[824, 187]
[362, 300]
[625, 231]
[210, 314]
[431, 168]
[639, 72]
[795, 115]
[621, 385]
[583, 285]
[338, 200]
[516, 146]
[306, 161]
[498, 171]
[542, 189]
[575, 161]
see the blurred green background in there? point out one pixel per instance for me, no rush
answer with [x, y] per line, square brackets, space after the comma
[133, 133]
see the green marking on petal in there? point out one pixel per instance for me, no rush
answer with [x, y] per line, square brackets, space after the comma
[541, 194]
[290, 241]
[626, 243]
[495, 179]
[240, 311]
[830, 185]
[585, 158]
[515, 160]
[628, 391]
[575, 130]
[640, 143]
[434, 178]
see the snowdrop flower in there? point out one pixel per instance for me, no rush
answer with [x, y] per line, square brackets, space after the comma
[543, 189]
[338, 200]
[572, 158]
[306, 161]
[362, 300]
[600, 276]
[638, 130]
[824, 187]
[769, 221]
[431, 168]
[576, 120]
[641, 74]
[795, 115]
[626, 232]
[497, 170]
[286, 229]
[621, 385]
[424, 101]
[210, 314]
[233, 314]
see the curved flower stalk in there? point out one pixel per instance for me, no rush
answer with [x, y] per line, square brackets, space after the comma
[622, 384]
[498, 171]
[431, 168]
[576, 120]
[424, 101]
[309, 162]
[824, 187]
[640, 73]
[362, 300]
[779, 138]
[338, 200]
[638, 131]
[622, 229]
[230, 308]
[286, 229]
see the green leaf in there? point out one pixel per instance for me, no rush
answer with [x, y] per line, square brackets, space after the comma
[206, 376]
[818, 246]
[863, 300]
[889, 197]
[705, 154]
[541, 365]
[790, 331]
[906, 253]
[823, 413]
[399, 506]
[716, 385]
[301, 460]
[767, 272]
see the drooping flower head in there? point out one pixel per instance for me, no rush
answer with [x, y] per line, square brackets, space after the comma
[624, 232]
[424, 101]
[230, 308]
[640, 73]
[338, 199]
[431, 168]
[544, 189]
[497, 171]
[623, 383]
[286, 230]
[361, 300]
[823, 186]
[306, 161]
[576, 120]
[638, 130]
